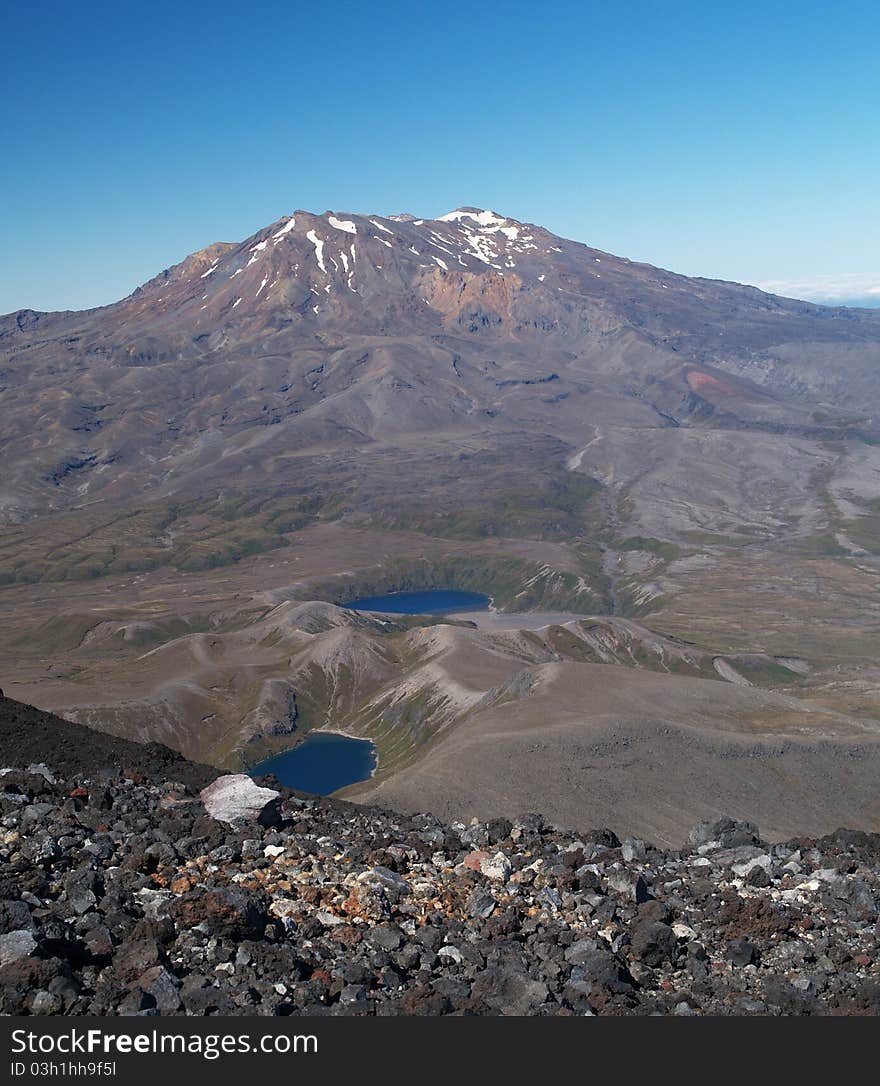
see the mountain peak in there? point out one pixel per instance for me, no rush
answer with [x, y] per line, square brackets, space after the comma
[346, 269]
[480, 216]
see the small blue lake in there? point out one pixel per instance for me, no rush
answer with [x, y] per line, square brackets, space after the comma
[321, 763]
[431, 602]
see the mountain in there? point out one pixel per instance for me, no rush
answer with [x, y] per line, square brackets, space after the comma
[345, 331]
[675, 479]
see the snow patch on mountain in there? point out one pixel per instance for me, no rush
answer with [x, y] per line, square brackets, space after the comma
[319, 249]
[342, 224]
[288, 226]
[481, 218]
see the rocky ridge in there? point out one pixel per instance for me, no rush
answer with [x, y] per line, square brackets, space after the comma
[122, 895]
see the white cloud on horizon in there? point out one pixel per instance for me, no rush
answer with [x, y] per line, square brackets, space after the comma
[840, 289]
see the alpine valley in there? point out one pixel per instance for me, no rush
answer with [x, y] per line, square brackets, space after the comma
[669, 487]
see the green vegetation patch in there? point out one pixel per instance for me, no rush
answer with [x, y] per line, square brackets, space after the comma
[552, 505]
[187, 535]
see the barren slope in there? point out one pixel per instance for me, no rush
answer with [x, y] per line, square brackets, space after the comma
[345, 404]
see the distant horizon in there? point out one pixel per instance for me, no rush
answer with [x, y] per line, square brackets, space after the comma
[865, 289]
[729, 143]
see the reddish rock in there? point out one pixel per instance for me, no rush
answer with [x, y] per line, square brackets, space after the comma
[233, 912]
[346, 935]
[474, 860]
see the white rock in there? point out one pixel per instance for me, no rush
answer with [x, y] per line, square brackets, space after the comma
[496, 867]
[632, 849]
[15, 945]
[809, 884]
[450, 953]
[743, 869]
[283, 908]
[328, 919]
[271, 851]
[827, 874]
[155, 903]
[41, 769]
[235, 797]
[684, 931]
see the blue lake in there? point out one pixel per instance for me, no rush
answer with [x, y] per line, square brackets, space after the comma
[432, 602]
[323, 762]
[326, 761]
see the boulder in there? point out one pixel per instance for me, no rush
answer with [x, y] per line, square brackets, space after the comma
[15, 945]
[653, 942]
[236, 797]
[231, 912]
[507, 991]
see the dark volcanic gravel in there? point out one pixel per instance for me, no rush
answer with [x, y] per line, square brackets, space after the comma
[119, 897]
[31, 735]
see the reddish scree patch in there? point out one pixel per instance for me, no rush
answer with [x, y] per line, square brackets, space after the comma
[705, 383]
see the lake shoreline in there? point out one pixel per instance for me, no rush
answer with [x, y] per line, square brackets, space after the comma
[435, 601]
[309, 766]
[300, 766]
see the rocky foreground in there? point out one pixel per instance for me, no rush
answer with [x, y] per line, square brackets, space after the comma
[139, 897]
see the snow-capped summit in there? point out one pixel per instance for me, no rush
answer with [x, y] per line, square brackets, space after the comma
[480, 217]
[342, 328]
[471, 267]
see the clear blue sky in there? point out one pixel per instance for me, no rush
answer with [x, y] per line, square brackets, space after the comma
[736, 140]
